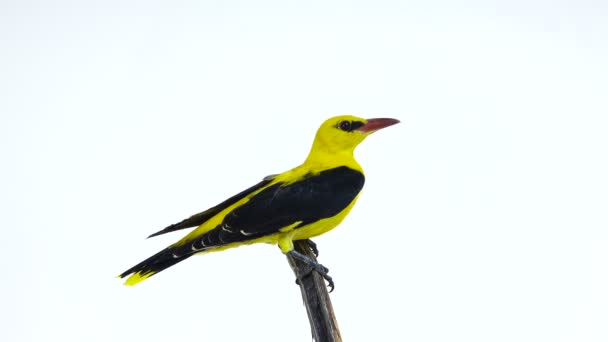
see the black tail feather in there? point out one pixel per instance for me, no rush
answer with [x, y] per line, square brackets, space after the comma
[156, 263]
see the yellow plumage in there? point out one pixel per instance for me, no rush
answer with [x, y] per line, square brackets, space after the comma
[298, 204]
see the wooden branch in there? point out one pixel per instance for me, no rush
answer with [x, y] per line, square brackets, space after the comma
[323, 323]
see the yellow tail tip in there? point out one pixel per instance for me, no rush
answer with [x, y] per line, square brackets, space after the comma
[136, 278]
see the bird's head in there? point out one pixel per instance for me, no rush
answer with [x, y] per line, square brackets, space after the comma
[341, 134]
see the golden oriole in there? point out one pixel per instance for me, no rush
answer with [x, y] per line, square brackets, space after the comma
[297, 204]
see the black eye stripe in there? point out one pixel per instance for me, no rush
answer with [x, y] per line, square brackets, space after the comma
[355, 125]
[349, 126]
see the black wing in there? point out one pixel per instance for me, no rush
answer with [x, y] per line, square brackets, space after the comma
[313, 198]
[200, 218]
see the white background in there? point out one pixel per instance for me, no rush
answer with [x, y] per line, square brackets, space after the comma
[484, 216]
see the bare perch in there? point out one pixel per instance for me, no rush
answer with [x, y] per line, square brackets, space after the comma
[323, 323]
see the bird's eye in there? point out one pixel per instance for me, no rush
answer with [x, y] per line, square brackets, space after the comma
[345, 126]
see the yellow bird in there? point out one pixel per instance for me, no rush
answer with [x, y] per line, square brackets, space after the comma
[297, 204]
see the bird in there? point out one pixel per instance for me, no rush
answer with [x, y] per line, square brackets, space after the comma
[298, 204]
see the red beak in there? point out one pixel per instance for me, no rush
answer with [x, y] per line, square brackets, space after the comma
[376, 124]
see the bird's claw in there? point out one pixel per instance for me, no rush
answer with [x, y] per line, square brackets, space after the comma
[313, 247]
[322, 271]
[330, 281]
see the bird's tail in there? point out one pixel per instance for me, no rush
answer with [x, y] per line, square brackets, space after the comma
[154, 264]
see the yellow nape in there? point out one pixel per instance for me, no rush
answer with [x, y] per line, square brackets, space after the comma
[137, 278]
[334, 146]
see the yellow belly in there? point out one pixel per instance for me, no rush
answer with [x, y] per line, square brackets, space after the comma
[322, 226]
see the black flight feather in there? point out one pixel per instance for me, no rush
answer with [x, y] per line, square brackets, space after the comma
[200, 218]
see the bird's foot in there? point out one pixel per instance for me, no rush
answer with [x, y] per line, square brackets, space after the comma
[313, 247]
[313, 266]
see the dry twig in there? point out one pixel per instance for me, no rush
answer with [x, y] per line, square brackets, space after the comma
[323, 323]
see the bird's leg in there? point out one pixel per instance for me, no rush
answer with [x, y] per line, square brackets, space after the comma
[313, 247]
[314, 266]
